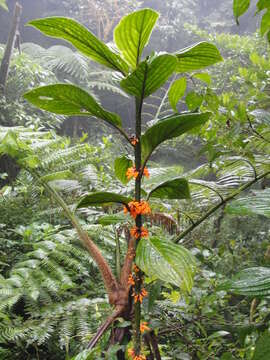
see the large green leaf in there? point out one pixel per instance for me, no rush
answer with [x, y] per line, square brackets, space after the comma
[256, 204]
[177, 91]
[3, 4]
[197, 56]
[166, 261]
[149, 75]
[265, 24]
[263, 4]
[133, 32]
[262, 349]
[250, 282]
[121, 165]
[170, 128]
[69, 99]
[172, 189]
[59, 175]
[82, 39]
[240, 7]
[100, 198]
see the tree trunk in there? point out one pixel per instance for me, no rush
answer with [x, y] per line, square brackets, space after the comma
[9, 47]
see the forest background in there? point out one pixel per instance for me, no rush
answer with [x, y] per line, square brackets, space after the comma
[52, 297]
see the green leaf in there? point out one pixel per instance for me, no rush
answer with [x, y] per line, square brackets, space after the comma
[262, 349]
[66, 99]
[100, 198]
[3, 4]
[265, 24]
[170, 128]
[150, 75]
[256, 204]
[59, 175]
[203, 77]
[86, 355]
[166, 261]
[250, 282]
[121, 165]
[227, 356]
[177, 91]
[133, 32]
[263, 4]
[172, 189]
[239, 8]
[82, 39]
[193, 100]
[197, 56]
[112, 219]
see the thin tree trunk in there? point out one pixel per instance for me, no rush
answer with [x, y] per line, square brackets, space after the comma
[4, 69]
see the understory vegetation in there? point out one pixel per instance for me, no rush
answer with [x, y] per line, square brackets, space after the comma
[135, 182]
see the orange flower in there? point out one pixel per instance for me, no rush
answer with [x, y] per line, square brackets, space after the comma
[144, 327]
[132, 173]
[133, 140]
[146, 172]
[139, 232]
[135, 268]
[137, 208]
[139, 297]
[131, 280]
[131, 353]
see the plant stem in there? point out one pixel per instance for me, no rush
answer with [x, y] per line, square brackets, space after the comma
[219, 205]
[138, 284]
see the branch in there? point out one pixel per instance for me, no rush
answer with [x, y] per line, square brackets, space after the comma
[106, 272]
[219, 205]
[117, 312]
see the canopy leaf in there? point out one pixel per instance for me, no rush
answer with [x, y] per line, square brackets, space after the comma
[66, 99]
[166, 261]
[197, 56]
[177, 91]
[170, 128]
[3, 4]
[100, 198]
[132, 34]
[149, 75]
[250, 282]
[172, 189]
[240, 7]
[82, 39]
[121, 165]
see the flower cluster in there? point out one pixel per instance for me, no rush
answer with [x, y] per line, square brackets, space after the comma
[139, 232]
[140, 296]
[137, 208]
[132, 172]
[133, 355]
[144, 327]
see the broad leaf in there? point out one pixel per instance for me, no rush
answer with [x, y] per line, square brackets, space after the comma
[133, 32]
[177, 91]
[121, 165]
[250, 282]
[197, 56]
[263, 4]
[265, 24]
[172, 189]
[170, 128]
[262, 349]
[256, 204]
[240, 7]
[66, 99]
[203, 77]
[166, 261]
[82, 39]
[193, 100]
[100, 198]
[150, 75]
